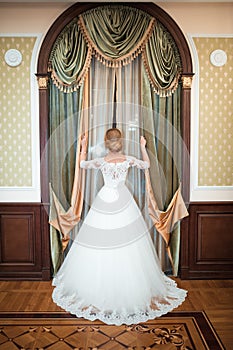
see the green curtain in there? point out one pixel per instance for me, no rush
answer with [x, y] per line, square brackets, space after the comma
[64, 127]
[69, 58]
[162, 61]
[115, 30]
[169, 150]
[162, 128]
[101, 32]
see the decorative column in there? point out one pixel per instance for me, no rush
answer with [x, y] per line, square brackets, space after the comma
[43, 83]
[185, 125]
[186, 80]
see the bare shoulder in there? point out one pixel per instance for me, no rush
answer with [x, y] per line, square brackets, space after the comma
[118, 158]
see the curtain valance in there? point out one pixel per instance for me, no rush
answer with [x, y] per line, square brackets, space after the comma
[115, 35]
[162, 61]
[70, 59]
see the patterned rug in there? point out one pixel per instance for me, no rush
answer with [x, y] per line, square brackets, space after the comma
[62, 331]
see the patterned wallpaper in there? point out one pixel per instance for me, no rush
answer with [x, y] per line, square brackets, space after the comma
[15, 114]
[215, 113]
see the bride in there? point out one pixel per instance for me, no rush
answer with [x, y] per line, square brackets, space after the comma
[112, 272]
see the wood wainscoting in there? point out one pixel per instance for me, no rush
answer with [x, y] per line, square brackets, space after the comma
[24, 242]
[207, 241]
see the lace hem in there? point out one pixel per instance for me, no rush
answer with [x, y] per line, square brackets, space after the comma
[74, 305]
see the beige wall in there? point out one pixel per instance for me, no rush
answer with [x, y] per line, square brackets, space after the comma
[31, 21]
[15, 114]
[29, 18]
[215, 151]
[209, 18]
[203, 18]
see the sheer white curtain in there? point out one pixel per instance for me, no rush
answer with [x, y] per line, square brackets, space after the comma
[118, 95]
[133, 115]
[100, 111]
[129, 120]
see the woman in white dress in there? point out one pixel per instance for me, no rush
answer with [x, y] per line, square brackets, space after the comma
[112, 272]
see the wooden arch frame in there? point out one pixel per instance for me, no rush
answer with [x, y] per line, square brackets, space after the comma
[43, 77]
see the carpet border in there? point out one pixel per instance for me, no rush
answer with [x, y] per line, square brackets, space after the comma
[205, 326]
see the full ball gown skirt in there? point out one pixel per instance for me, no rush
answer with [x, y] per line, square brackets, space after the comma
[112, 272]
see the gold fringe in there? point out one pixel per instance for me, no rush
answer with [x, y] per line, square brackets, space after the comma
[66, 88]
[158, 90]
[114, 63]
[122, 60]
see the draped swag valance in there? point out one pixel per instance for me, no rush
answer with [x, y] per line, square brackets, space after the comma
[115, 35]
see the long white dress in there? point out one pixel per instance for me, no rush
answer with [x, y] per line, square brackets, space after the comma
[112, 272]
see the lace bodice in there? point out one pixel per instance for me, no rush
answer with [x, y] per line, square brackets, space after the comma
[114, 173]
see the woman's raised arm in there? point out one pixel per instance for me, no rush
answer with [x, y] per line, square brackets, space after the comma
[83, 148]
[144, 153]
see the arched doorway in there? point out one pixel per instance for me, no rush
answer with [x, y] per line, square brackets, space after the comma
[43, 77]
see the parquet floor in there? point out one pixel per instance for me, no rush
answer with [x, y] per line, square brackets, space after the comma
[215, 297]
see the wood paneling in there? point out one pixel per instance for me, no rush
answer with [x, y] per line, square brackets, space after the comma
[214, 232]
[17, 239]
[22, 242]
[206, 242]
[207, 249]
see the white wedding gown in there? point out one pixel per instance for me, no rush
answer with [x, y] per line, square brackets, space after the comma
[112, 272]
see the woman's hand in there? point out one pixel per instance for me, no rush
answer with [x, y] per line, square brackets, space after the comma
[143, 141]
[83, 144]
[145, 156]
[83, 148]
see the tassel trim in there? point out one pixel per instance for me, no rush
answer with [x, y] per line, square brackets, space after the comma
[122, 60]
[162, 92]
[74, 86]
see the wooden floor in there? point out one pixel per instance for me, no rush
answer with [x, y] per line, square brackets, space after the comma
[215, 297]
